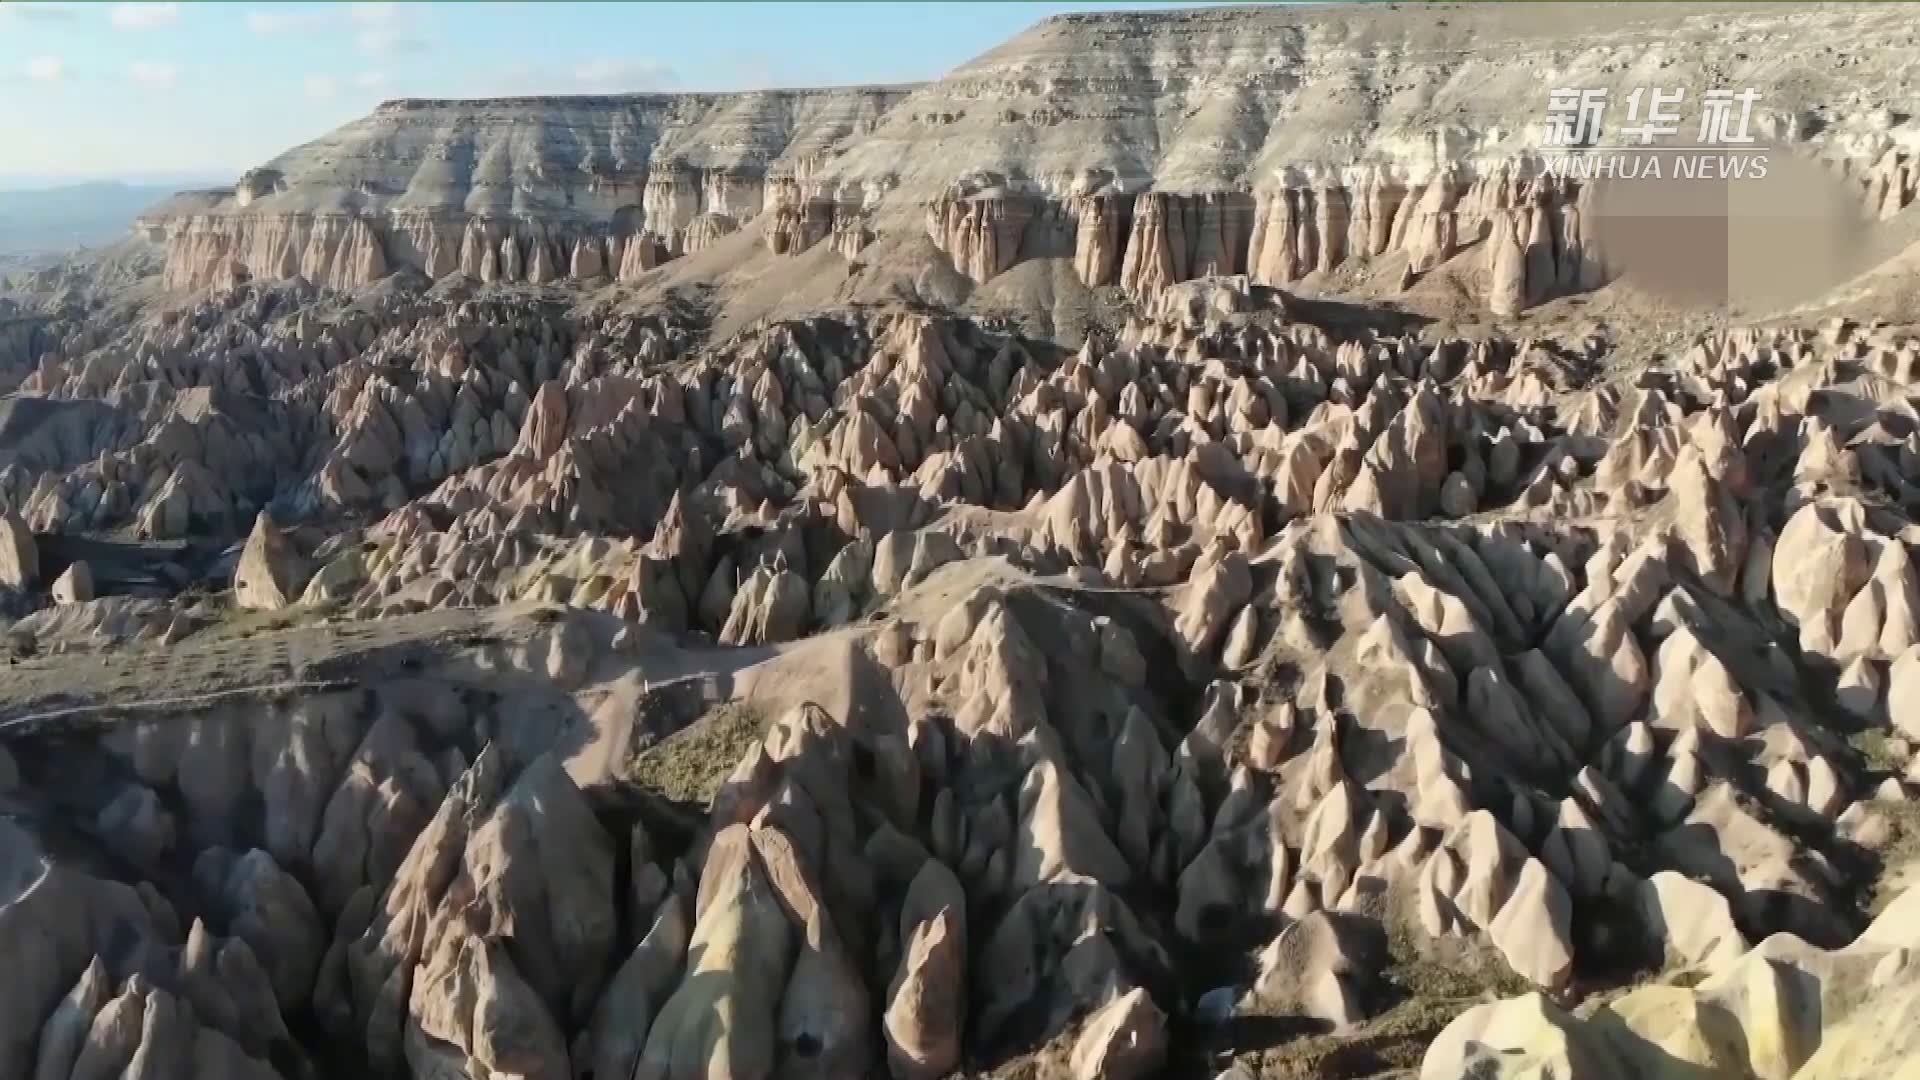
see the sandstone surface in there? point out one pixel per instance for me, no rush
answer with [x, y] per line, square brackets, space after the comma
[442, 642]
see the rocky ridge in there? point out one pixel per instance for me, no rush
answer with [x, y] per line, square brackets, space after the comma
[1751, 1015]
[1233, 667]
[476, 678]
[1143, 150]
[530, 190]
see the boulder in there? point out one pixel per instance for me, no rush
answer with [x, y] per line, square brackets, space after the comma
[75, 586]
[720, 1020]
[618, 1034]
[271, 574]
[1523, 1038]
[926, 1005]
[1819, 563]
[19, 554]
[1124, 1040]
[1690, 921]
[1534, 928]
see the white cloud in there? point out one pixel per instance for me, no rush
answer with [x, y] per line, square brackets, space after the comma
[144, 16]
[385, 29]
[286, 21]
[374, 14]
[377, 29]
[154, 75]
[388, 40]
[322, 87]
[45, 69]
[621, 76]
[370, 80]
[37, 12]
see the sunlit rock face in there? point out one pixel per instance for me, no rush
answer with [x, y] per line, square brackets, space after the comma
[509, 189]
[1148, 148]
[1054, 571]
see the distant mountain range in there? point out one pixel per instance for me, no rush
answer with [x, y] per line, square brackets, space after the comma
[55, 219]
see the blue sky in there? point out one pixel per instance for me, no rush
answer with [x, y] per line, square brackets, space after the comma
[171, 91]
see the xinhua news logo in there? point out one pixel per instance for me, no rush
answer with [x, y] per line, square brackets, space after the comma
[1722, 147]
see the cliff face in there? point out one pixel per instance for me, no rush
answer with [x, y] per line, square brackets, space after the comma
[1148, 148]
[1286, 142]
[520, 189]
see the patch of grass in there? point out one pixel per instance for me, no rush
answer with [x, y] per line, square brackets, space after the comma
[1431, 991]
[230, 621]
[1392, 1043]
[1877, 749]
[1899, 856]
[689, 765]
[1471, 972]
